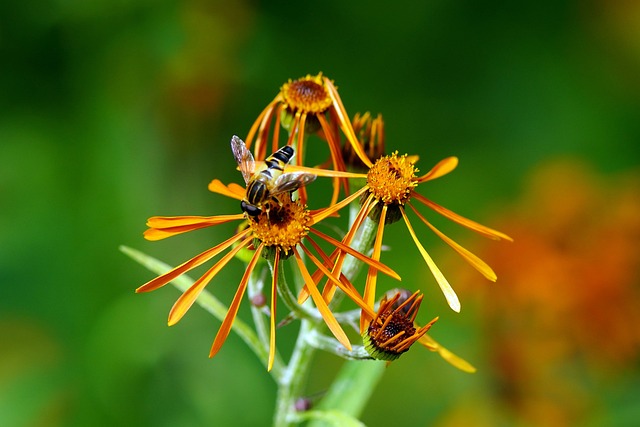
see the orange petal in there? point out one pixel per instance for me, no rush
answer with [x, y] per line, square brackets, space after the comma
[371, 262]
[349, 290]
[372, 274]
[442, 168]
[317, 275]
[323, 213]
[163, 227]
[225, 328]
[472, 259]
[260, 119]
[472, 225]
[188, 297]
[321, 305]
[274, 291]
[447, 290]
[456, 361]
[190, 264]
[345, 122]
[233, 190]
[366, 207]
[178, 221]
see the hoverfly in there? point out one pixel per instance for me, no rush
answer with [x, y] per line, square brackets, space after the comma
[268, 181]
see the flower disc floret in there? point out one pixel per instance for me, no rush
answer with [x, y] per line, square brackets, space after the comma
[391, 180]
[307, 95]
[281, 225]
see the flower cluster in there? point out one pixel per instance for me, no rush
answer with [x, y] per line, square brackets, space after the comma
[276, 224]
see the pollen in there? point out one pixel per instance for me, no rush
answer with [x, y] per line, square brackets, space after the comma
[391, 179]
[307, 95]
[282, 224]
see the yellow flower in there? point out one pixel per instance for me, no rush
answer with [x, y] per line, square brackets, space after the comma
[277, 232]
[391, 184]
[304, 106]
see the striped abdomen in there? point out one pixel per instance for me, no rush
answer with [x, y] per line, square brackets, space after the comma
[258, 189]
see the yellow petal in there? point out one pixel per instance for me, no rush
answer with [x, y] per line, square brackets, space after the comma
[454, 360]
[225, 328]
[190, 264]
[472, 225]
[445, 287]
[186, 300]
[321, 305]
[324, 172]
[274, 291]
[442, 168]
[472, 259]
[372, 274]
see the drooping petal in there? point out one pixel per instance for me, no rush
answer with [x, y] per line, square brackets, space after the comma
[165, 226]
[472, 225]
[447, 290]
[274, 291]
[336, 158]
[454, 360]
[232, 190]
[188, 297]
[364, 211]
[472, 259]
[225, 328]
[442, 168]
[321, 305]
[371, 262]
[190, 264]
[350, 291]
[260, 121]
[345, 122]
[372, 274]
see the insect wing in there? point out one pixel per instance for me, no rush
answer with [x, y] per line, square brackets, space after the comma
[243, 157]
[291, 181]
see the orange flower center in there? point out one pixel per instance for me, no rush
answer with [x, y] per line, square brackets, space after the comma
[392, 178]
[307, 95]
[282, 224]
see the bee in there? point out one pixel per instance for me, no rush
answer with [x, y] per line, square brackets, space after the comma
[270, 180]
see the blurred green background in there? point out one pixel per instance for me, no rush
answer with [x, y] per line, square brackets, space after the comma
[111, 112]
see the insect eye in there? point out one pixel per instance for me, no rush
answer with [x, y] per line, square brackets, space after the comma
[249, 209]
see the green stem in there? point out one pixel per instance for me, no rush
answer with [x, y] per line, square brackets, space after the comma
[293, 377]
[332, 345]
